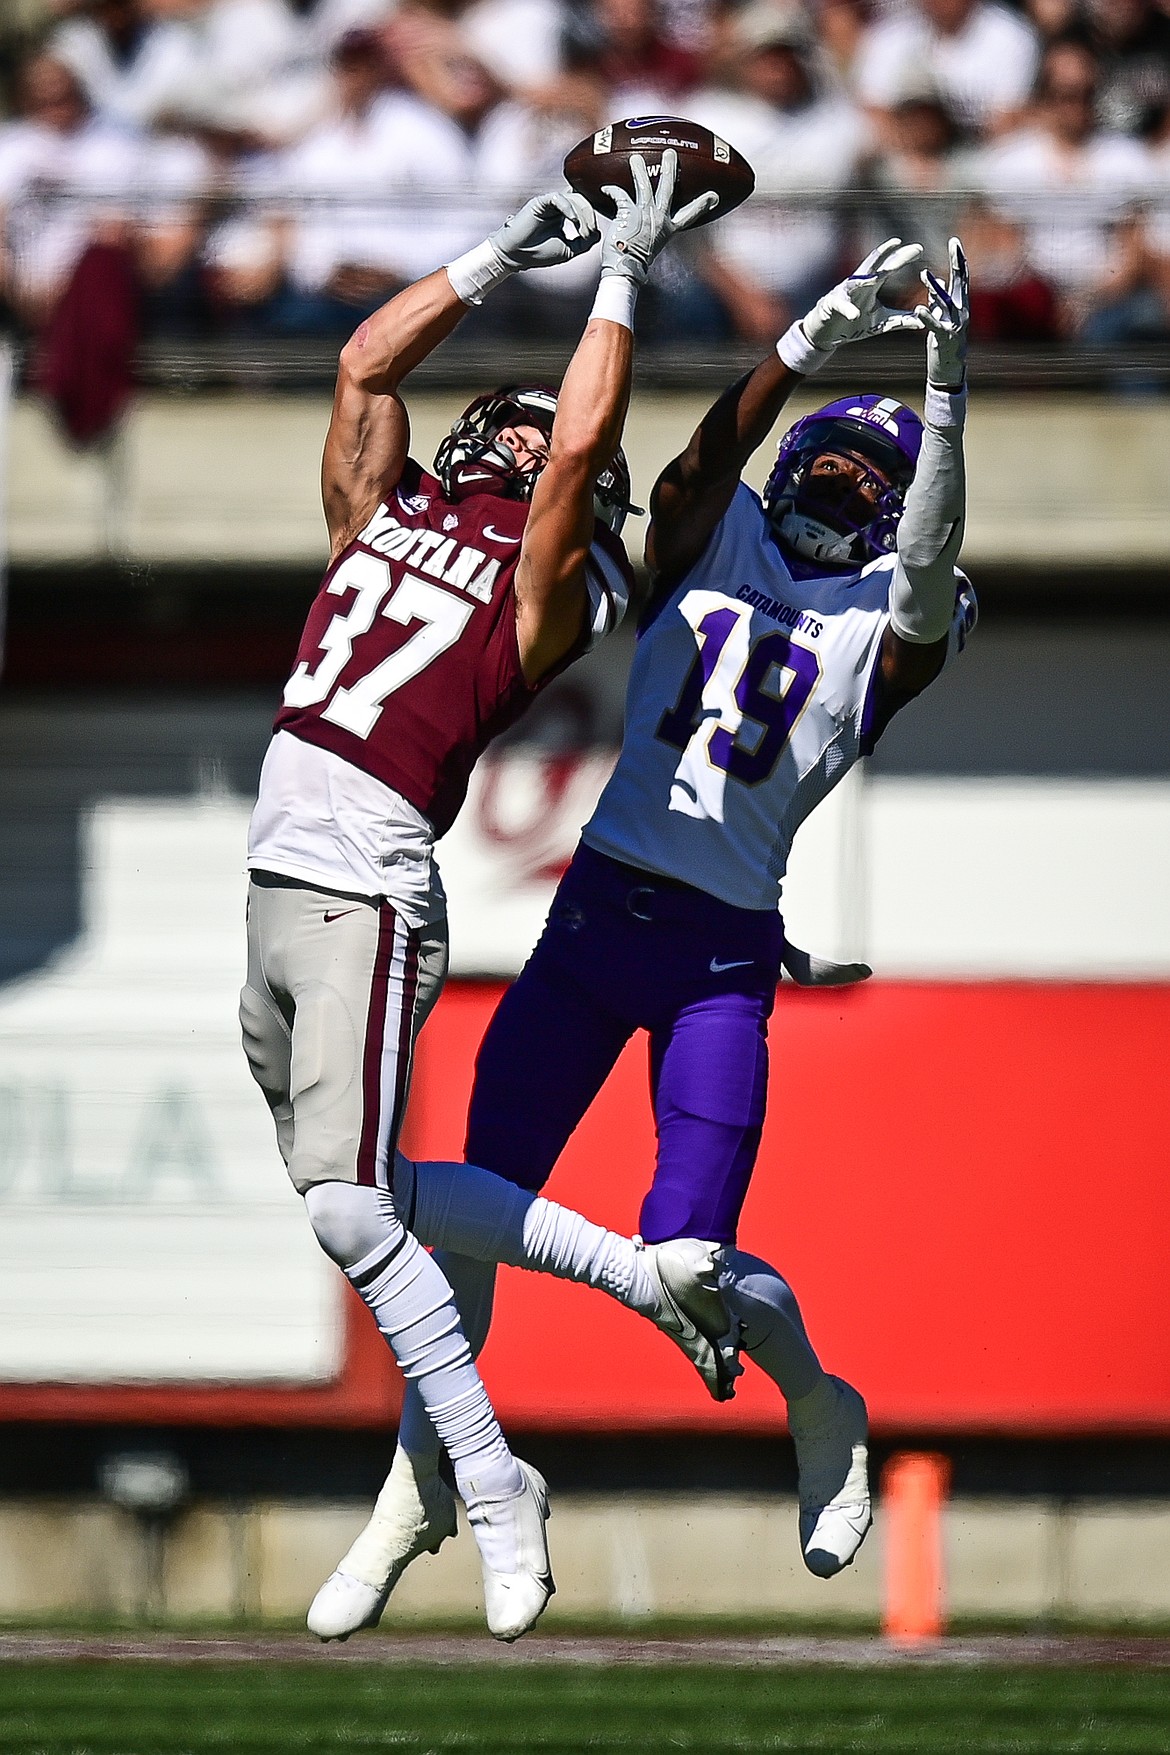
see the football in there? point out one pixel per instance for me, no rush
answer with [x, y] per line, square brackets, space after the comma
[704, 162]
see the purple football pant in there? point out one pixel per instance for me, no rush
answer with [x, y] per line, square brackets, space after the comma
[624, 950]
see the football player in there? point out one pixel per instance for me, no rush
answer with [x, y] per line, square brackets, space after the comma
[449, 602]
[780, 638]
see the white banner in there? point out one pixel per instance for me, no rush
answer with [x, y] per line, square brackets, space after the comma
[147, 1229]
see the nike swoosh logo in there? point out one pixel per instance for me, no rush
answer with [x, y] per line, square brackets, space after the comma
[494, 535]
[339, 914]
[717, 968]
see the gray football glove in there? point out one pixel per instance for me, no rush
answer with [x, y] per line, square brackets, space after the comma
[547, 230]
[853, 309]
[644, 224]
[945, 317]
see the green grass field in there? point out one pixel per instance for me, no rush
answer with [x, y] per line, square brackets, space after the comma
[138, 1708]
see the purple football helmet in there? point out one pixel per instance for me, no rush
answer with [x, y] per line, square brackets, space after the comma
[826, 519]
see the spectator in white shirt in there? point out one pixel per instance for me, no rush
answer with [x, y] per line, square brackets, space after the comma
[134, 68]
[69, 179]
[391, 186]
[770, 259]
[520, 42]
[252, 76]
[920, 175]
[981, 57]
[486, 154]
[326, 221]
[1071, 192]
[65, 181]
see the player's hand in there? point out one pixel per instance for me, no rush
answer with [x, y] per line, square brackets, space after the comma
[809, 971]
[853, 309]
[644, 224]
[945, 317]
[549, 229]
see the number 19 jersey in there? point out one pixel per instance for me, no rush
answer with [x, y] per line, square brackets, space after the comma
[752, 693]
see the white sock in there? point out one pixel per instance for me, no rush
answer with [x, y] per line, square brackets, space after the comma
[772, 1328]
[474, 1285]
[473, 1220]
[415, 1311]
[462, 1208]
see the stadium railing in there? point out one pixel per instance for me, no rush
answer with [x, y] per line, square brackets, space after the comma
[1072, 287]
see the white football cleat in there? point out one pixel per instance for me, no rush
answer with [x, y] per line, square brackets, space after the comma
[685, 1274]
[516, 1599]
[410, 1518]
[830, 1428]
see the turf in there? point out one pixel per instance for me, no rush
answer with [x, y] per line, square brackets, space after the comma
[141, 1708]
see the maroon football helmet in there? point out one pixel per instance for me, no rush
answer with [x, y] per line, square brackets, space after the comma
[472, 460]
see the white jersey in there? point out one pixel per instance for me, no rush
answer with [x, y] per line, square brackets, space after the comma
[751, 695]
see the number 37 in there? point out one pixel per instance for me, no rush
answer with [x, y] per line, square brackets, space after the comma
[736, 686]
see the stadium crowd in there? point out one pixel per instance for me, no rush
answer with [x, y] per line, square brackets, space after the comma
[279, 167]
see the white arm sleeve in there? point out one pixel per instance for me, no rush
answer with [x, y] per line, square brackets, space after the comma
[930, 535]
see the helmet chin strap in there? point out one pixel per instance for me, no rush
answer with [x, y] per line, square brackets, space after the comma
[814, 540]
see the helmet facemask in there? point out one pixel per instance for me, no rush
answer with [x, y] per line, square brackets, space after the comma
[472, 459]
[838, 488]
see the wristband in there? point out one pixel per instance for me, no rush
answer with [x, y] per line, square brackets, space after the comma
[945, 408]
[798, 353]
[474, 274]
[616, 297]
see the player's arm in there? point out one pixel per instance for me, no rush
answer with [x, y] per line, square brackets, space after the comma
[551, 587]
[694, 491]
[696, 488]
[369, 433]
[930, 534]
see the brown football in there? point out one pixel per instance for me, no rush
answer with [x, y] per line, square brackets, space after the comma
[704, 162]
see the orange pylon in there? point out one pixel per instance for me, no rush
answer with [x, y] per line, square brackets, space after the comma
[914, 1490]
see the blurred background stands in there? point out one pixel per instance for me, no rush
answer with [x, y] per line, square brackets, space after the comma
[256, 171]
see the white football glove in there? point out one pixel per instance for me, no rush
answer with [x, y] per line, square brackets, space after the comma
[852, 310]
[809, 971]
[549, 229]
[644, 224]
[945, 317]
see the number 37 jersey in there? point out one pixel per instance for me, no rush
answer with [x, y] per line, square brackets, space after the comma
[409, 663]
[752, 693]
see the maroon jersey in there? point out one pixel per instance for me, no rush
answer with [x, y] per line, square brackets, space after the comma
[409, 662]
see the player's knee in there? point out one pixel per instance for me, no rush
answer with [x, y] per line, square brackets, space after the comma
[350, 1220]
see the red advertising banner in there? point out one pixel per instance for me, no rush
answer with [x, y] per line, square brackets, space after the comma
[966, 1185]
